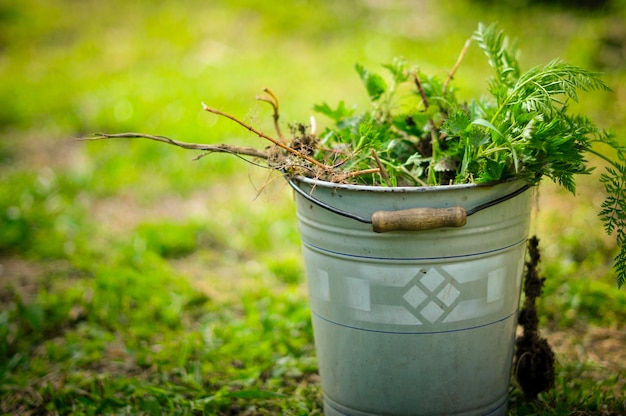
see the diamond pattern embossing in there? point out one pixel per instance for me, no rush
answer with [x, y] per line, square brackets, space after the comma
[432, 294]
[432, 279]
[414, 296]
[448, 294]
[432, 312]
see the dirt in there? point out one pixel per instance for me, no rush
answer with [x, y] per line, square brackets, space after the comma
[24, 278]
[534, 359]
[600, 350]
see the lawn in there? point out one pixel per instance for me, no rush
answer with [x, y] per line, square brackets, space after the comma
[137, 280]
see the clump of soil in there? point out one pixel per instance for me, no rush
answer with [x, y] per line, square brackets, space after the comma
[534, 359]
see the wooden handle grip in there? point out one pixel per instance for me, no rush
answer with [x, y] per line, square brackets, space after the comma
[418, 219]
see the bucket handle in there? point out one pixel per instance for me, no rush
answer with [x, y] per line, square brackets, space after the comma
[412, 219]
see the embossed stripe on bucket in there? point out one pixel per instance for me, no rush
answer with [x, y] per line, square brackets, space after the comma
[414, 295]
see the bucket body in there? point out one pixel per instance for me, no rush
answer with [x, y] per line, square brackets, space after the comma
[414, 322]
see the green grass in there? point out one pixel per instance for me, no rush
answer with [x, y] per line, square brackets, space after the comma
[134, 280]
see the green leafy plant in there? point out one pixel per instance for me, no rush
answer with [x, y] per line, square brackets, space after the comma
[523, 130]
[417, 132]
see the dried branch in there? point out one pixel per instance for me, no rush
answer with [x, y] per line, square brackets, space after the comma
[456, 65]
[383, 171]
[208, 148]
[273, 101]
[431, 123]
[345, 176]
[266, 137]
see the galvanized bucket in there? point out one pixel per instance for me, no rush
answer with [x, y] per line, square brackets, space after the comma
[414, 294]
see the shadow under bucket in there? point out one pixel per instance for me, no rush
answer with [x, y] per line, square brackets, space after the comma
[414, 322]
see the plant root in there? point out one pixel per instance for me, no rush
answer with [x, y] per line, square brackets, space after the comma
[206, 148]
[292, 159]
[534, 359]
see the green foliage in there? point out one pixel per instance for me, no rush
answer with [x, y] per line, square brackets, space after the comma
[338, 115]
[40, 213]
[502, 55]
[101, 313]
[524, 130]
[571, 395]
[531, 122]
[172, 240]
[374, 83]
[130, 335]
[613, 213]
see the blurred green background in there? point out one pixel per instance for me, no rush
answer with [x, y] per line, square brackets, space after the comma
[135, 280]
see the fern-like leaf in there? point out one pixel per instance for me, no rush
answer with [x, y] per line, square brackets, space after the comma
[543, 88]
[501, 53]
[613, 214]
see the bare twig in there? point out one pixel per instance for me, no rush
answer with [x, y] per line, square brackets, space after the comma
[420, 90]
[431, 123]
[456, 65]
[265, 136]
[273, 101]
[208, 148]
[383, 171]
[348, 175]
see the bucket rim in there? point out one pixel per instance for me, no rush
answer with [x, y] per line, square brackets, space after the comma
[399, 189]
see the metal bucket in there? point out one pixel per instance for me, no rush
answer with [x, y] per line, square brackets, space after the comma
[414, 322]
